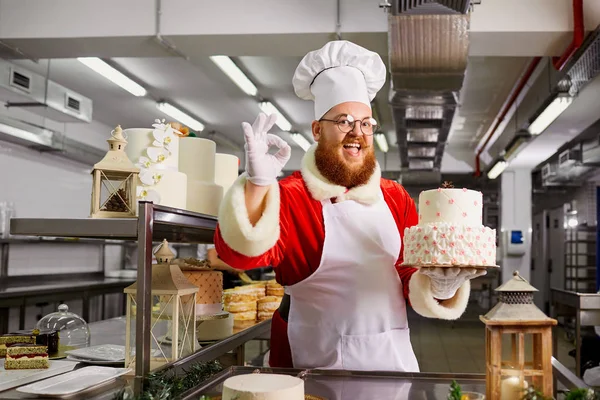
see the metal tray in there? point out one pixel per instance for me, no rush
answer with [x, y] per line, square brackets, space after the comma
[351, 385]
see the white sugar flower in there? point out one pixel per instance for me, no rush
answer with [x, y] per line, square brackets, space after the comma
[157, 178]
[164, 136]
[144, 162]
[157, 154]
[146, 177]
[147, 195]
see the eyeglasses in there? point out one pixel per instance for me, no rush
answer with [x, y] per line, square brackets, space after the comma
[346, 122]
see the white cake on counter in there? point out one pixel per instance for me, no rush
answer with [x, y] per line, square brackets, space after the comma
[263, 387]
[156, 152]
[197, 161]
[450, 231]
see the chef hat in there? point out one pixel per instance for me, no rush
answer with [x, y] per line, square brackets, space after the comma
[339, 72]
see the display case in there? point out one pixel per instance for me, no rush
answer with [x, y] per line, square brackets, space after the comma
[153, 224]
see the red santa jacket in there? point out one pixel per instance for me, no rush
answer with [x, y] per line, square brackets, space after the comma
[290, 236]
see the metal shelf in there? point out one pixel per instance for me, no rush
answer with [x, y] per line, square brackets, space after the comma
[169, 223]
[154, 223]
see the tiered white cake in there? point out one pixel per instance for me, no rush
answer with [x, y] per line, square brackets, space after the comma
[156, 153]
[263, 387]
[197, 160]
[450, 231]
[226, 170]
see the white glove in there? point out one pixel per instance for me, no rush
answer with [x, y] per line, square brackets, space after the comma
[262, 167]
[446, 281]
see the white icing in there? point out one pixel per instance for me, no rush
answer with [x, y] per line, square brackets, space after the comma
[449, 244]
[459, 206]
[156, 152]
[171, 189]
[204, 197]
[197, 158]
[215, 329]
[226, 170]
[208, 309]
[263, 387]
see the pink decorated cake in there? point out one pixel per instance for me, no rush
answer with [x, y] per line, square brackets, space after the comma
[450, 231]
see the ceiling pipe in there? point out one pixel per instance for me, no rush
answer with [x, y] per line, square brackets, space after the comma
[507, 106]
[557, 62]
[578, 34]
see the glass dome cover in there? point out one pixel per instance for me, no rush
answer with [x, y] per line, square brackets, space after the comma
[73, 330]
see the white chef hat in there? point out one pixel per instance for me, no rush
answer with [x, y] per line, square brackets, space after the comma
[339, 72]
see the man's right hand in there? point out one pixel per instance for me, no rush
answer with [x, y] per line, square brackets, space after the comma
[263, 168]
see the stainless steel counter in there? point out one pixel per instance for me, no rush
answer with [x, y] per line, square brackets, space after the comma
[23, 293]
[352, 385]
[112, 331]
[586, 309]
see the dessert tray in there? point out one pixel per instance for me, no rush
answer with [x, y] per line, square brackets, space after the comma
[16, 377]
[105, 354]
[74, 382]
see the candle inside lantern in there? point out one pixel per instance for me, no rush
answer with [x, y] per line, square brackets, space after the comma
[512, 388]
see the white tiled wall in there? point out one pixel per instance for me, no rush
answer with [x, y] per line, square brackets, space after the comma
[43, 185]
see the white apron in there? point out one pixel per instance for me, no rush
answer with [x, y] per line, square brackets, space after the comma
[350, 313]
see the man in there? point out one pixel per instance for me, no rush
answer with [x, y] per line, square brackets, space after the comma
[333, 231]
[230, 274]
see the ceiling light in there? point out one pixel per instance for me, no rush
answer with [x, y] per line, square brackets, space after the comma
[235, 74]
[268, 108]
[517, 144]
[113, 75]
[382, 142]
[301, 141]
[497, 169]
[552, 111]
[180, 116]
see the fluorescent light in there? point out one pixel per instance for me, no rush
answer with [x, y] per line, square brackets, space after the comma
[382, 142]
[235, 74]
[268, 108]
[517, 144]
[112, 75]
[301, 141]
[180, 116]
[546, 117]
[497, 169]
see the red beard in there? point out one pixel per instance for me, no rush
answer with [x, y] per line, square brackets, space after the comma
[336, 170]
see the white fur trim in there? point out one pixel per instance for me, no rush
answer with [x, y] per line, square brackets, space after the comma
[321, 189]
[423, 302]
[235, 226]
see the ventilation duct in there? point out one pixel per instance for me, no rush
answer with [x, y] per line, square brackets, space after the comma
[48, 141]
[428, 50]
[22, 88]
[578, 159]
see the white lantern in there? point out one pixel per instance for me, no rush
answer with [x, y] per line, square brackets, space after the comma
[173, 322]
[114, 181]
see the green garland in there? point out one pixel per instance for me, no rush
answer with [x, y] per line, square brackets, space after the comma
[165, 385]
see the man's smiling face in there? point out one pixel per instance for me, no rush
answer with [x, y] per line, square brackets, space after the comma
[346, 159]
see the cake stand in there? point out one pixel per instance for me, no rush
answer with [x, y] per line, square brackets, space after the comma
[419, 266]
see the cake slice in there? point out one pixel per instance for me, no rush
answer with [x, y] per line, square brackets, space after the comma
[12, 338]
[26, 356]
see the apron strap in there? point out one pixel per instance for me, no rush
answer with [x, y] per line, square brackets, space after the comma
[284, 307]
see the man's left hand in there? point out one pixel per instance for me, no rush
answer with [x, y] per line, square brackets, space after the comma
[446, 281]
